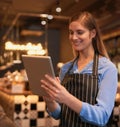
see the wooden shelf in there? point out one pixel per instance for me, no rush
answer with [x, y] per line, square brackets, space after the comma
[6, 66]
[7, 91]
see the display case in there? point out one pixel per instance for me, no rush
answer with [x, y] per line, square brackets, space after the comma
[26, 109]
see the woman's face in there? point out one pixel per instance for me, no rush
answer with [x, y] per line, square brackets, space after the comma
[80, 36]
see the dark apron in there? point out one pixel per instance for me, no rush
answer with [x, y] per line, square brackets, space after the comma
[85, 88]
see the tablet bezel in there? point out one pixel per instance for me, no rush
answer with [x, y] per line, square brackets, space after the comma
[36, 67]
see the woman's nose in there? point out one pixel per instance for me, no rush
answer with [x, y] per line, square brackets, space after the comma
[74, 36]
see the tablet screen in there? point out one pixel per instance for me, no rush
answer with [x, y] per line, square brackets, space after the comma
[36, 67]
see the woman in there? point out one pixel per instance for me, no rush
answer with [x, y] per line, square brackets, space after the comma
[85, 94]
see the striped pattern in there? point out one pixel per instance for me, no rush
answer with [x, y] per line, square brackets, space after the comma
[85, 88]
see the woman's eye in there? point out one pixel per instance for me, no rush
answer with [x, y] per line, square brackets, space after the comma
[80, 32]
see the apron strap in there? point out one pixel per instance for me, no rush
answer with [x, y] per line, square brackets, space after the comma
[95, 65]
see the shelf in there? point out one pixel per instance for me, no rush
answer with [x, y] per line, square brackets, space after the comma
[6, 66]
[7, 91]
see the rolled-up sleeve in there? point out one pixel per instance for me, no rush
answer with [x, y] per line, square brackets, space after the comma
[56, 113]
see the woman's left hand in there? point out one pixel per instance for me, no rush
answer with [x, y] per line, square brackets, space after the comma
[54, 89]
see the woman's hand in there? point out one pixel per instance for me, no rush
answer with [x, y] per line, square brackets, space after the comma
[55, 91]
[47, 99]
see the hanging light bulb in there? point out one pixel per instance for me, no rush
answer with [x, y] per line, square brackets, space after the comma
[43, 22]
[50, 17]
[58, 8]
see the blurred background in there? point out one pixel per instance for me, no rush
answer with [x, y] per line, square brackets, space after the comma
[40, 27]
[46, 23]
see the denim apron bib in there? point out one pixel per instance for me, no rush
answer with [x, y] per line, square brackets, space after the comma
[85, 88]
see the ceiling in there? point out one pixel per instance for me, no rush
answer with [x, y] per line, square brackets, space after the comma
[26, 13]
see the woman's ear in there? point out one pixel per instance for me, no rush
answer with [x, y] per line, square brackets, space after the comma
[93, 33]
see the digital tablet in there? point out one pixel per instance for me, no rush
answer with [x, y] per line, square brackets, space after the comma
[36, 67]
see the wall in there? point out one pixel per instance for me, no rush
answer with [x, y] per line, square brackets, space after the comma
[66, 53]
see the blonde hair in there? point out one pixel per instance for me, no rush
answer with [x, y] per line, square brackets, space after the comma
[88, 21]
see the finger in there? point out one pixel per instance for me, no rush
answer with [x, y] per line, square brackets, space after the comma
[48, 87]
[57, 78]
[48, 91]
[53, 81]
[52, 92]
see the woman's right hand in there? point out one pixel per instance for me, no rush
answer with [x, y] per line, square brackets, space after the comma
[48, 99]
[55, 91]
